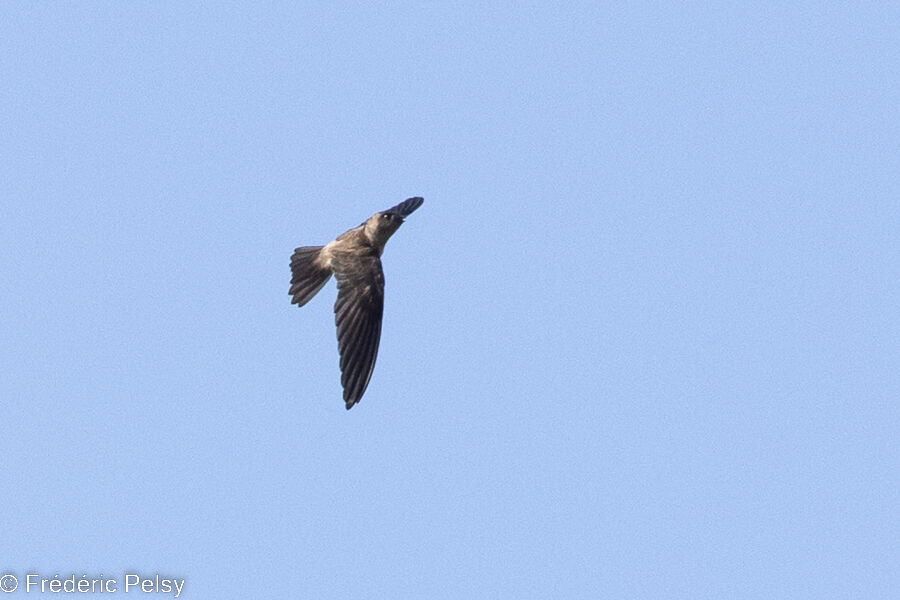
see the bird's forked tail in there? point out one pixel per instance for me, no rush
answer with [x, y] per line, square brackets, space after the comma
[308, 275]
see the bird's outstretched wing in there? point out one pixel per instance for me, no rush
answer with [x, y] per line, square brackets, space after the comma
[357, 314]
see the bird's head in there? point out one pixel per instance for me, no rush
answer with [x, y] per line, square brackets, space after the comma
[382, 225]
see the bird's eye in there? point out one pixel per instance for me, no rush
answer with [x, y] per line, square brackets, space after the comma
[386, 216]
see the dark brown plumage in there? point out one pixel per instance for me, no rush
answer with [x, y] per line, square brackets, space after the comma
[355, 260]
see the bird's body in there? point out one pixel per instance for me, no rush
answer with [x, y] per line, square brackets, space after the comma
[355, 260]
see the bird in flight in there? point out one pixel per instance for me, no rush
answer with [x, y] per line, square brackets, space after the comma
[355, 260]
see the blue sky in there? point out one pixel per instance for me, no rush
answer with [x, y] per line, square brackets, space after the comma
[641, 340]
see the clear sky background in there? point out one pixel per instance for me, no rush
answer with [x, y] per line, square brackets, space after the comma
[641, 340]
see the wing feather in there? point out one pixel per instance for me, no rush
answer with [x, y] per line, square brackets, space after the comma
[357, 314]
